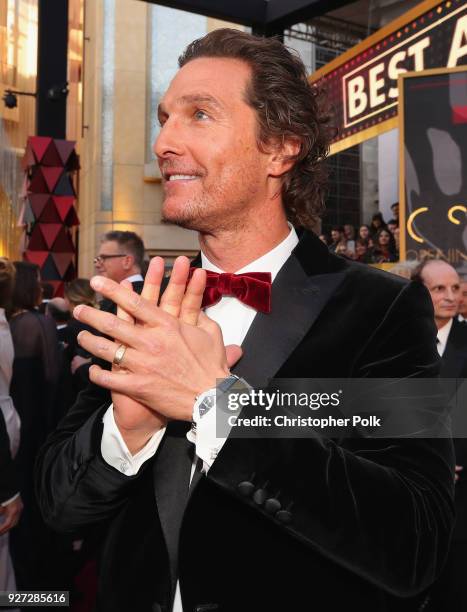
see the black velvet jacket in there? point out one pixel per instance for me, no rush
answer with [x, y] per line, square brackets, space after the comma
[364, 523]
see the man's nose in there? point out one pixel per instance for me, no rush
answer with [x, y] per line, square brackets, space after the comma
[169, 141]
[451, 295]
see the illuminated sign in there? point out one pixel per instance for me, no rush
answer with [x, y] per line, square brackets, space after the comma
[362, 83]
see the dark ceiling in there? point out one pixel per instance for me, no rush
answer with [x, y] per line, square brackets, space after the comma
[262, 15]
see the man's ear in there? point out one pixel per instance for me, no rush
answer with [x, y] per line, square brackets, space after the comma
[283, 156]
[128, 262]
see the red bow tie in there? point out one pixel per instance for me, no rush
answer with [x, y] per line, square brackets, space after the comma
[251, 288]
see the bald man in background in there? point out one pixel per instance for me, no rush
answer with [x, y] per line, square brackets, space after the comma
[444, 285]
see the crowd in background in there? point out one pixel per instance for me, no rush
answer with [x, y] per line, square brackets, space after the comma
[375, 243]
[42, 371]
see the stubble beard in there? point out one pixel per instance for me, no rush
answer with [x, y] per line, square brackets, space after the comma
[221, 207]
[191, 215]
[209, 215]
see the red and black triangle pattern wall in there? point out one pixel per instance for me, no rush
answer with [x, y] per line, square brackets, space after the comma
[49, 212]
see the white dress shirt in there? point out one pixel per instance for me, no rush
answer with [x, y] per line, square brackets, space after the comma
[234, 319]
[12, 420]
[443, 335]
[134, 278]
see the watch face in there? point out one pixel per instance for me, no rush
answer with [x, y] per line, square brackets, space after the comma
[206, 405]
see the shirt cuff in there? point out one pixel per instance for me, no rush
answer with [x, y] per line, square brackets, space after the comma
[115, 452]
[8, 501]
[203, 431]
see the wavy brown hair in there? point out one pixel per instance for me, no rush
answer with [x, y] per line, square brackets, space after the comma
[79, 291]
[27, 291]
[287, 106]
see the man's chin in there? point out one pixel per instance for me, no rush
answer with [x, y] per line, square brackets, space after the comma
[179, 220]
[182, 216]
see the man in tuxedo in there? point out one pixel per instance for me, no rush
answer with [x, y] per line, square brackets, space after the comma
[200, 523]
[120, 258]
[443, 283]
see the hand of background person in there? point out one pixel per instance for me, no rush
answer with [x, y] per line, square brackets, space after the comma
[10, 514]
[174, 353]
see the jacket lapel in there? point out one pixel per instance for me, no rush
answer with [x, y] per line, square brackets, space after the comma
[300, 291]
[172, 470]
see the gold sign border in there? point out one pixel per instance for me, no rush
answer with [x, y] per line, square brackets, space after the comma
[374, 39]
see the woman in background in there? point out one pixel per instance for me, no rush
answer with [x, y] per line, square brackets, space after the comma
[34, 392]
[10, 509]
[384, 250]
[364, 232]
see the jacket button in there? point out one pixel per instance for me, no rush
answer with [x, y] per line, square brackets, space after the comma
[260, 496]
[246, 488]
[284, 516]
[272, 505]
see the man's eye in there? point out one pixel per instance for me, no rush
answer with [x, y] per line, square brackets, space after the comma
[201, 115]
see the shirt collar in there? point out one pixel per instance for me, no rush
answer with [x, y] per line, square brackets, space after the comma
[134, 278]
[443, 335]
[272, 261]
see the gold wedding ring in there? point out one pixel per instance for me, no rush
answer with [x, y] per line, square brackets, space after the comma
[119, 355]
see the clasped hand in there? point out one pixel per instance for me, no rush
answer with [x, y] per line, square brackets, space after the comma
[174, 351]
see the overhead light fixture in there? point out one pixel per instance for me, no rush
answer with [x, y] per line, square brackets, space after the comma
[10, 97]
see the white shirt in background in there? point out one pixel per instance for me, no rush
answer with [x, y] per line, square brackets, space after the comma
[443, 335]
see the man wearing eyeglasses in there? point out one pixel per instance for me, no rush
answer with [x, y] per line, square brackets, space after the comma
[120, 257]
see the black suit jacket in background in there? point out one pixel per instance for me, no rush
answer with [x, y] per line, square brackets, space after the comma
[454, 359]
[450, 591]
[369, 520]
[454, 365]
